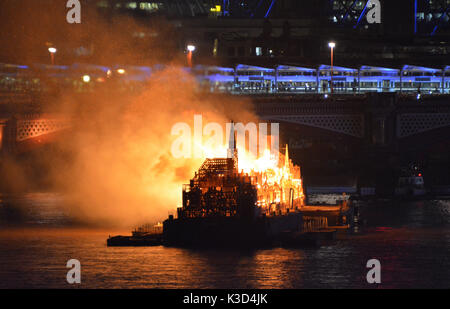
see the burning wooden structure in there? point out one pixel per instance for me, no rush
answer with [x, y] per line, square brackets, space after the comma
[225, 206]
[220, 188]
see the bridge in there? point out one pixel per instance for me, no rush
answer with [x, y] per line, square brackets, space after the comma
[378, 121]
[363, 139]
[383, 120]
[21, 133]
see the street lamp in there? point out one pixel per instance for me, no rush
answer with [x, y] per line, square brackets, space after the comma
[190, 48]
[52, 52]
[332, 45]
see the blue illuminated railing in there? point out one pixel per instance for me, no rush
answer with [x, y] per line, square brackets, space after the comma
[242, 79]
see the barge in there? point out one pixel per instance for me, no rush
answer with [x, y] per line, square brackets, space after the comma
[225, 207]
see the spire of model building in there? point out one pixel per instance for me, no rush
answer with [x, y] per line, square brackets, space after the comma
[232, 152]
[286, 157]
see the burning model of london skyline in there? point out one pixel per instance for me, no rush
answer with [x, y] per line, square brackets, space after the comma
[276, 179]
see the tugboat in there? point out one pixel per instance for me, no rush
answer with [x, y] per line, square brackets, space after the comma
[410, 183]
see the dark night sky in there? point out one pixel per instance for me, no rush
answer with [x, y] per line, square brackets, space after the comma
[27, 25]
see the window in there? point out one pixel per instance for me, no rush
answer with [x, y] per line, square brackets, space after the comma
[149, 6]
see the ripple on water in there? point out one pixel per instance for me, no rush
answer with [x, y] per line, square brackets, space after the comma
[411, 240]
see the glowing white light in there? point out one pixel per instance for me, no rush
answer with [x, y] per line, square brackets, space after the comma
[190, 48]
[121, 71]
[52, 50]
[86, 78]
[332, 45]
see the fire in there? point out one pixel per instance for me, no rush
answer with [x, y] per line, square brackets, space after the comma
[227, 170]
[277, 179]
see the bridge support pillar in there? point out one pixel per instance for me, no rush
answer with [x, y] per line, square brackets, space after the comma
[7, 135]
[2, 133]
[380, 130]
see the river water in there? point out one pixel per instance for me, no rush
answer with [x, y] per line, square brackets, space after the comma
[410, 239]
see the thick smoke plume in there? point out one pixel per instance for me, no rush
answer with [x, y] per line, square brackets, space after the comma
[123, 170]
[115, 165]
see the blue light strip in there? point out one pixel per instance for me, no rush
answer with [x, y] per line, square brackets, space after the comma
[417, 68]
[224, 5]
[443, 14]
[50, 66]
[21, 66]
[428, 78]
[208, 67]
[434, 30]
[415, 16]
[251, 67]
[293, 68]
[225, 69]
[362, 14]
[325, 67]
[369, 68]
[270, 8]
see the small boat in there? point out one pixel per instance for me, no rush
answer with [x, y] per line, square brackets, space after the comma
[147, 240]
[146, 235]
[410, 183]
